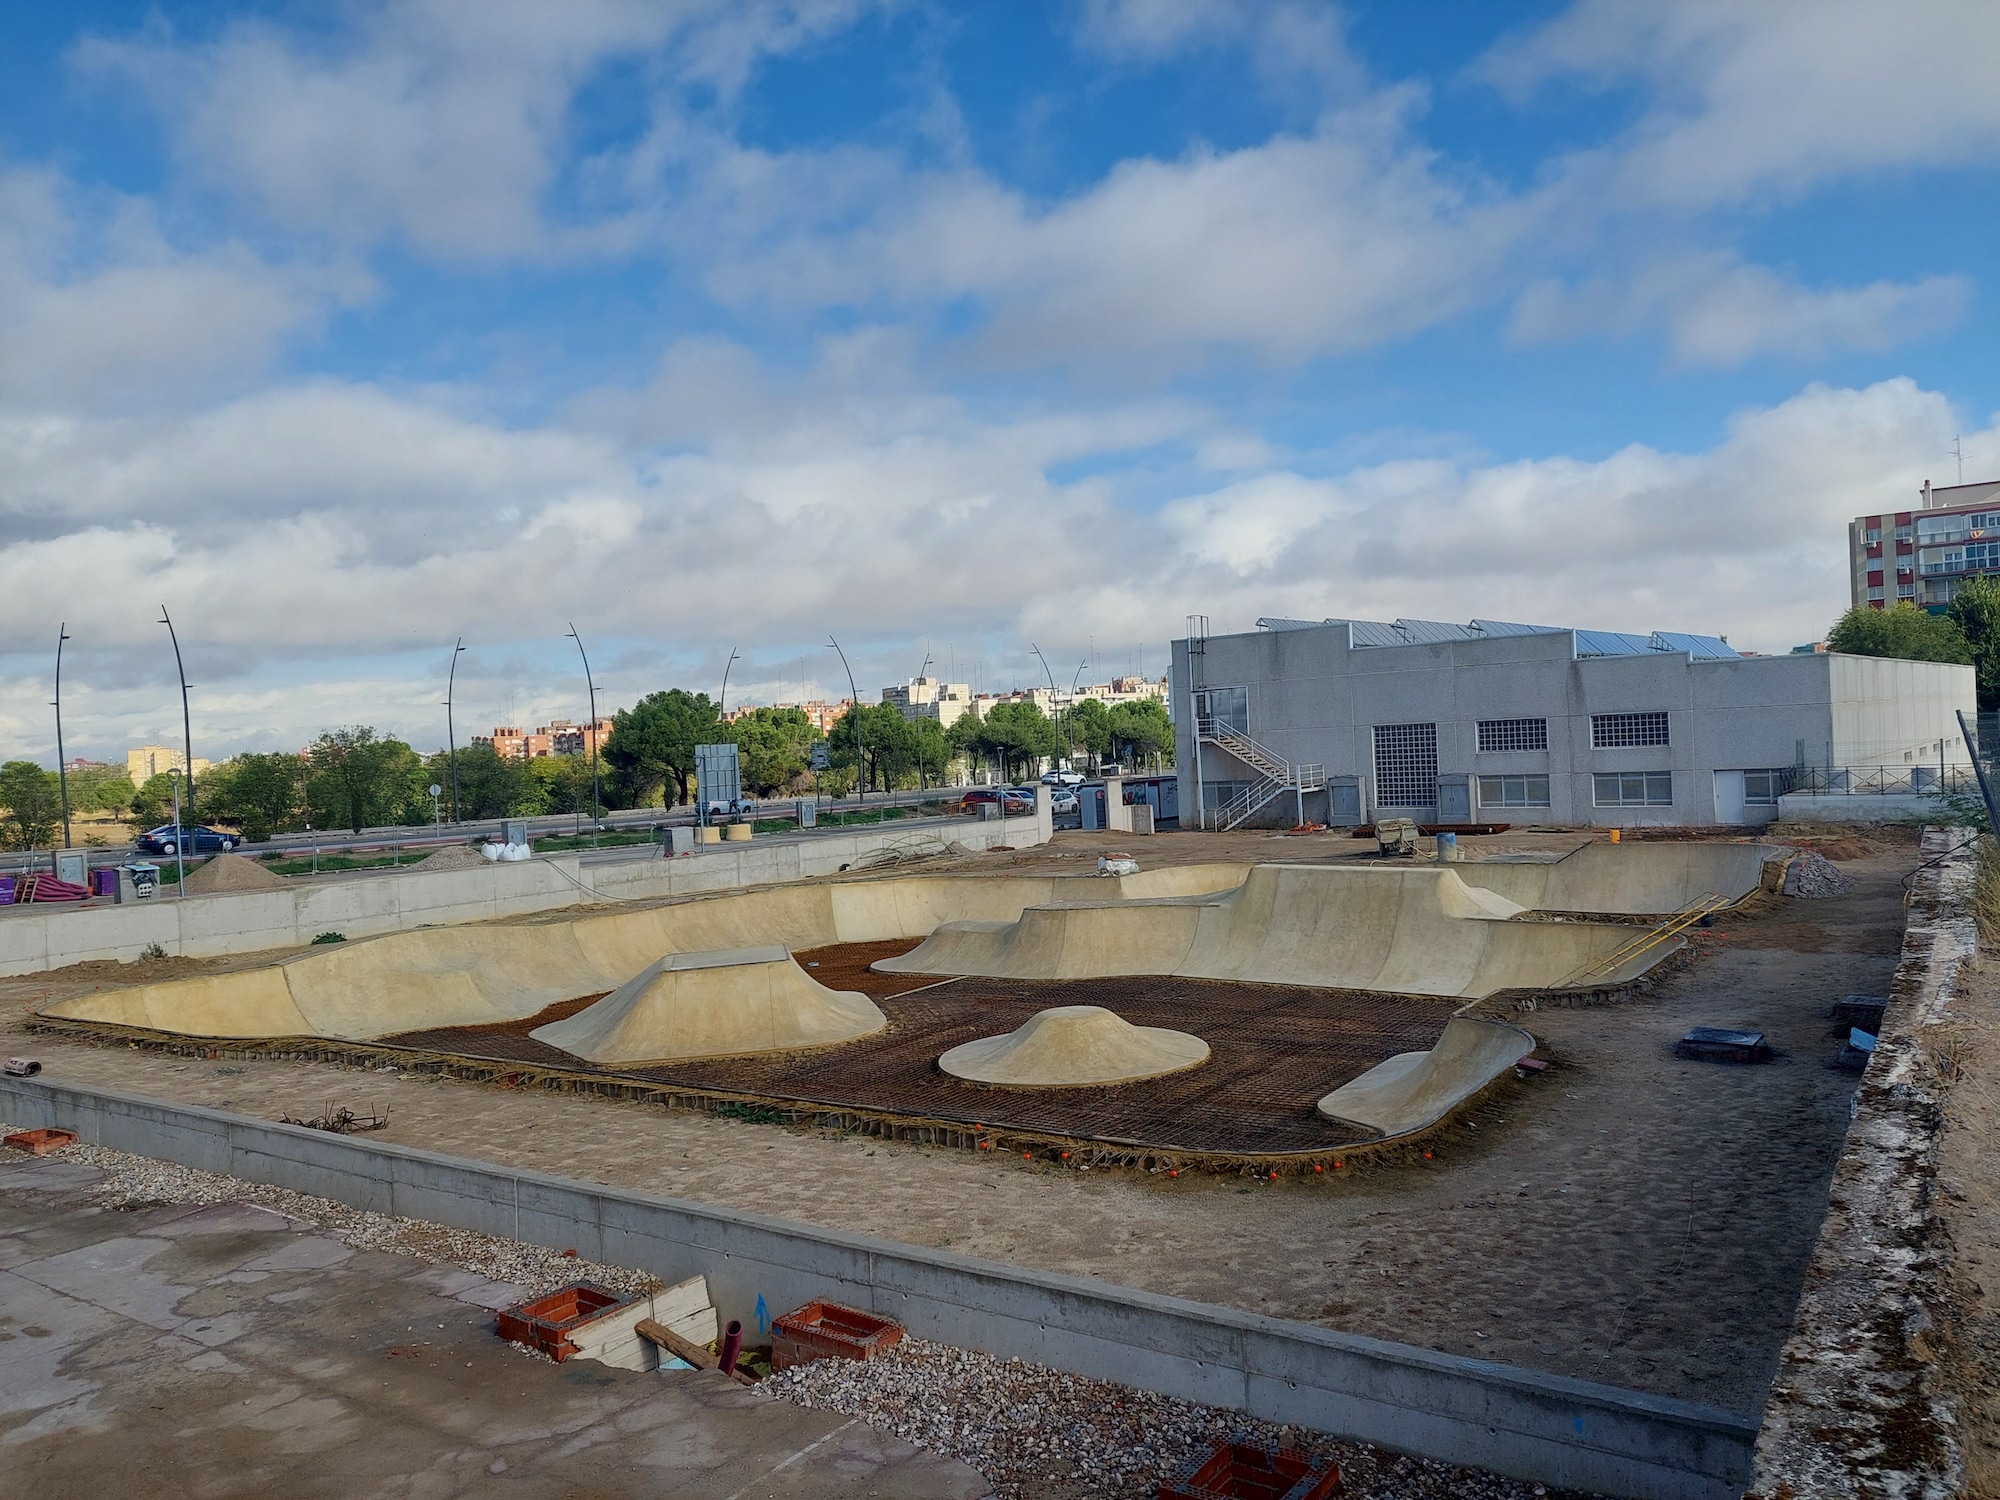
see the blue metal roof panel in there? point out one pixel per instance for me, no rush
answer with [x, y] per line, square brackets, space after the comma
[1279, 623]
[1611, 643]
[1376, 633]
[1429, 632]
[1503, 627]
[1701, 647]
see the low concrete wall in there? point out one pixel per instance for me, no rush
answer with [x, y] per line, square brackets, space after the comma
[1860, 807]
[33, 939]
[1544, 1428]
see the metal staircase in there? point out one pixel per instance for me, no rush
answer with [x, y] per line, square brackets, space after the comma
[1275, 775]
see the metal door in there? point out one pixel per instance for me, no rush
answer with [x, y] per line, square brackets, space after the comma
[1454, 799]
[1343, 802]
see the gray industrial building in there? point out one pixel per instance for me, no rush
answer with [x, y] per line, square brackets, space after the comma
[1335, 721]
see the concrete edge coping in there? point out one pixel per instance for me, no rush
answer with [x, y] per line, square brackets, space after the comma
[1721, 1440]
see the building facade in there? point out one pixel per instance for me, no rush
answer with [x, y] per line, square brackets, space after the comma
[153, 760]
[1339, 720]
[928, 698]
[1925, 555]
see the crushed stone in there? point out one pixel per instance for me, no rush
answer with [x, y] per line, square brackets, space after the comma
[1813, 877]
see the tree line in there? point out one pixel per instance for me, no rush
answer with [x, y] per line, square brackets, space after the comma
[353, 778]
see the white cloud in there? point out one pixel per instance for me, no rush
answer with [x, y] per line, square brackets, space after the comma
[1715, 310]
[1774, 97]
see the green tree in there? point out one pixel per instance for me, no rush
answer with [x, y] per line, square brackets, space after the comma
[562, 782]
[775, 747]
[651, 744]
[489, 785]
[100, 789]
[1902, 630]
[153, 801]
[1018, 734]
[1087, 726]
[260, 794]
[934, 751]
[32, 798]
[356, 781]
[1975, 610]
[1141, 730]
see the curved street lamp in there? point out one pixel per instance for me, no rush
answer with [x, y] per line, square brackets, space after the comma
[596, 799]
[1055, 701]
[187, 724]
[62, 766]
[854, 696]
[722, 703]
[450, 737]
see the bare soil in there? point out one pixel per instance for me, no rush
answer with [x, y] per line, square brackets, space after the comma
[1628, 1217]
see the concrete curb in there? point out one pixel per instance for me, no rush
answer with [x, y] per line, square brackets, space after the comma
[1544, 1428]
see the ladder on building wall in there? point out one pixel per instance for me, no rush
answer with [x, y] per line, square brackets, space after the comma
[1275, 775]
[1646, 942]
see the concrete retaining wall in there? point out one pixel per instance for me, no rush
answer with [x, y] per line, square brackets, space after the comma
[1860, 807]
[33, 939]
[1545, 1428]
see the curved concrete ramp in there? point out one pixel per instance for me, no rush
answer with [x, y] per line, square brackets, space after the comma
[727, 1004]
[1407, 931]
[479, 974]
[1069, 1046]
[1632, 880]
[1413, 1090]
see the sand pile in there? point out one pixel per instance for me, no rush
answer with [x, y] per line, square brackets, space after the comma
[233, 872]
[455, 857]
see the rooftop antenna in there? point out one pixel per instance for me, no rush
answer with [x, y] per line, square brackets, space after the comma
[1958, 452]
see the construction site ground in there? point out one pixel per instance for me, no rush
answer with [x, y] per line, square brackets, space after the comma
[1627, 1217]
[225, 1350]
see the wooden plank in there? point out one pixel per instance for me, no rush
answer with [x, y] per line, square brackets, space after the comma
[692, 1352]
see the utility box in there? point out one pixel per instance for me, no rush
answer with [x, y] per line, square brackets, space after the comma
[678, 839]
[73, 866]
[808, 812]
[145, 881]
[515, 830]
[1142, 818]
[1091, 800]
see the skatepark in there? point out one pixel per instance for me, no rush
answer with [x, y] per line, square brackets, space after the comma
[1203, 1013]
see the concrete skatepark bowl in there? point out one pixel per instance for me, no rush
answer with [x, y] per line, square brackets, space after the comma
[1304, 980]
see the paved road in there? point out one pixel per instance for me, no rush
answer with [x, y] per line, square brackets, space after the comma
[421, 837]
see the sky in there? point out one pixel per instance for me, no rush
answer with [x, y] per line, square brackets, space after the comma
[343, 332]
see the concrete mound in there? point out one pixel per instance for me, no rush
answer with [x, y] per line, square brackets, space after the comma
[731, 1003]
[1069, 1046]
[1414, 1089]
[233, 872]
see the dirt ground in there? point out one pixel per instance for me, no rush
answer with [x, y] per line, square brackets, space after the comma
[1968, 1184]
[1628, 1217]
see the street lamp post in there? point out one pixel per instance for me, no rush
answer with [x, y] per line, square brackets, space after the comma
[1055, 702]
[589, 682]
[854, 696]
[180, 838]
[450, 735]
[1072, 699]
[722, 703]
[187, 724]
[62, 766]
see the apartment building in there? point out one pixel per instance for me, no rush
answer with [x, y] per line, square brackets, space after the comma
[1926, 554]
[928, 698]
[152, 760]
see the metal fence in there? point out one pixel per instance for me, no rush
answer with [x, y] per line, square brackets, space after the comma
[1879, 781]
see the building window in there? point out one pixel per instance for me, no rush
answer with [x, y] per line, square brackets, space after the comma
[1875, 594]
[1229, 707]
[1906, 591]
[1216, 794]
[1497, 736]
[1634, 788]
[1625, 731]
[1902, 533]
[1763, 788]
[1406, 765]
[1874, 534]
[1514, 791]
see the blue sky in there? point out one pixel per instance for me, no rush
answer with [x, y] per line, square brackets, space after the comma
[348, 330]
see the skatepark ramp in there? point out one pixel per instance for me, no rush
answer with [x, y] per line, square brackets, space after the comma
[1628, 880]
[489, 972]
[1400, 930]
[1414, 1090]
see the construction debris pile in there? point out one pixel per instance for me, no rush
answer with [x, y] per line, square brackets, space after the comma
[1814, 877]
[1035, 1432]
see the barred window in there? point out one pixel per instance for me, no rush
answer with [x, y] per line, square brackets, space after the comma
[1406, 765]
[1622, 731]
[1216, 794]
[1497, 735]
[1634, 788]
[1514, 791]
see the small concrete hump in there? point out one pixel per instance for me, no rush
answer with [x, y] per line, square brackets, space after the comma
[1071, 1046]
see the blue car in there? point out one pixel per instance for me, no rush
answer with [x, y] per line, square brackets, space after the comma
[197, 840]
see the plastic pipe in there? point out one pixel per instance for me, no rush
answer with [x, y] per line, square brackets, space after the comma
[732, 1345]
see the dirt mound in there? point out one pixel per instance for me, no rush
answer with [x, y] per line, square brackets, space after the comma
[233, 872]
[454, 857]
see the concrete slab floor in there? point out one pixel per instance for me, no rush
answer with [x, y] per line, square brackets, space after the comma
[224, 1350]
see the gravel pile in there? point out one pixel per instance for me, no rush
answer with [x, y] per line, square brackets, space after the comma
[234, 872]
[140, 1180]
[453, 857]
[1035, 1432]
[1813, 877]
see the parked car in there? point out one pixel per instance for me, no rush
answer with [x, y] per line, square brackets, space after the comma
[1063, 800]
[734, 807]
[1062, 778]
[197, 839]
